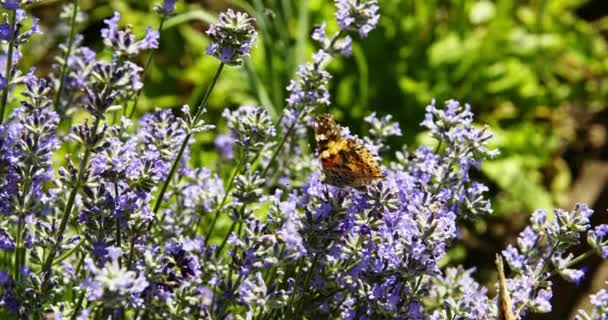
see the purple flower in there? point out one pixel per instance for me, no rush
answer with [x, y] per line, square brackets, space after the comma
[11, 4]
[346, 46]
[319, 34]
[5, 31]
[223, 144]
[165, 8]
[7, 243]
[309, 90]
[357, 15]
[232, 37]
[597, 240]
[253, 291]
[250, 126]
[112, 283]
[543, 249]
[461, 295]
[123, 41]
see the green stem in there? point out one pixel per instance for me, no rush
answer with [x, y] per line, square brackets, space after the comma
[176, 161]
[583, 256]
[145, 72]
[70, 252]
[20, 250]
[296, 282]
[68, 52]
[580, 258]
[46, 266]
[9, 65]
[198, 112]
[216, 213]
[78, 304]
[131, 251]
[234, 223]
[18, 247]
[221, 247]
[163, 190]
[197, 115]
[281, 143]
[307, 283]
[118, 240]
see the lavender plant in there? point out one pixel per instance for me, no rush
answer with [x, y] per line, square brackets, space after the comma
[126, 227]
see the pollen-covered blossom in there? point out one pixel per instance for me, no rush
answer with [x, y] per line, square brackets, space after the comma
[231, 37]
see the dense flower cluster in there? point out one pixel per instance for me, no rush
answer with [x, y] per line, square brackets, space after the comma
[125, 227]
[232, 37]
[542, 252]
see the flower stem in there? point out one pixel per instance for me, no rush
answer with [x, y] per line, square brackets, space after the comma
[18, 247]
[163, 190]
[281, 143]
[307, 283]
[234, 223]
[176, 161]
[68, 52]
[46, 266]
[299, 113]
[216, 213]
[201, 106]
[78, 304]
[145, 72]
[583, 256]
[221, 247]
[9, 65]
[118, 240]
[84, 291]
[70, 252]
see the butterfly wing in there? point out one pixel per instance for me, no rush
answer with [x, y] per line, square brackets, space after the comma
[345, 161]
[350, 165]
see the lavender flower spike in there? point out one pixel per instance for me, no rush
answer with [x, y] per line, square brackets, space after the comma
[232, 37]
[361, 16]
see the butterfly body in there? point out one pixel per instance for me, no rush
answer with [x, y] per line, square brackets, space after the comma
[345, 161]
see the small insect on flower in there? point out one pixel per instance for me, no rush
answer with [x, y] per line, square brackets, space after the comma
[346, 162]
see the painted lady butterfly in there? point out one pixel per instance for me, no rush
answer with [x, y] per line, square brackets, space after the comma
[346, 162]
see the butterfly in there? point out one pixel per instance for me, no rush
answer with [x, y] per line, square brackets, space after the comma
[346, 162]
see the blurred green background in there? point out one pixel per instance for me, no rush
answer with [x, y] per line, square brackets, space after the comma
[534, 71]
